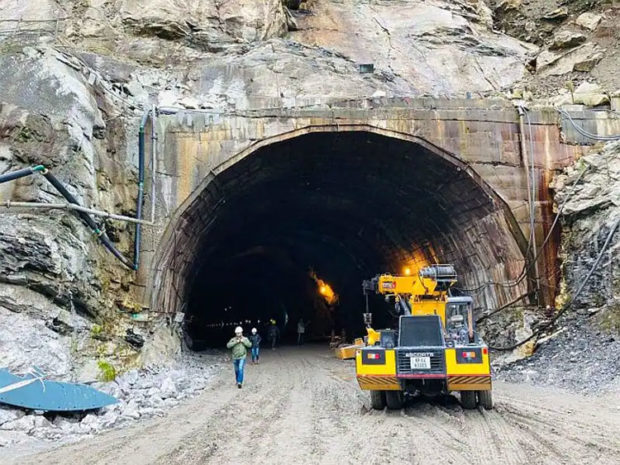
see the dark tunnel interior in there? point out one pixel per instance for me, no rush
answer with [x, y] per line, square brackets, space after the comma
[345, 206]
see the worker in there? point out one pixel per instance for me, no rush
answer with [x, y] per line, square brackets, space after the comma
[301, 330]
[239, 346]
[273, 332]
[255, 340]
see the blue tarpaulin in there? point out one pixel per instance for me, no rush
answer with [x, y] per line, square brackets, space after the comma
[36, 393]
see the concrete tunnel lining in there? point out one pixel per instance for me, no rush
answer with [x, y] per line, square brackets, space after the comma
[409, 197]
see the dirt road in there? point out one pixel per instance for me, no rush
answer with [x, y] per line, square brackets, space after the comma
[300, 406]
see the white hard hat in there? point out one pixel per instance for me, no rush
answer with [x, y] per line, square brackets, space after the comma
[254, 330]
[238, 330]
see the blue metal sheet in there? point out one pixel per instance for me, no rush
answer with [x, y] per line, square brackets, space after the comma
[38, 394]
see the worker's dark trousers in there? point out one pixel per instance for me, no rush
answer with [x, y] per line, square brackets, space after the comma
[273, 342]
[300, 338]
[255, 353]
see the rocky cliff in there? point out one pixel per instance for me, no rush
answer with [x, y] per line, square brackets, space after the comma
[75, 77]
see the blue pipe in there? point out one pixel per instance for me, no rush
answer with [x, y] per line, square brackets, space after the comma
[140, 199]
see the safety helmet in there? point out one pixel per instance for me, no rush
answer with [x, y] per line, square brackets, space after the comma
[238, 330]
[253, 330]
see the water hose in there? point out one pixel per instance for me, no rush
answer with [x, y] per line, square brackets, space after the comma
[20, 173]
[85, 217]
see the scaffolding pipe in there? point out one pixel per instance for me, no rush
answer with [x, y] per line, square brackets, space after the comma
[70, 206]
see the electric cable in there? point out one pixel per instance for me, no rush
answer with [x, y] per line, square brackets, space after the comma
[573, 298]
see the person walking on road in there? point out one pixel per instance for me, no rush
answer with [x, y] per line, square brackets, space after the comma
[239, 346]
[272, 333]
[301, 331]
[255, 340]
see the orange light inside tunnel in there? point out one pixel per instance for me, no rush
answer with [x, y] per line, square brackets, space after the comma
[325, 289]
[407, 271]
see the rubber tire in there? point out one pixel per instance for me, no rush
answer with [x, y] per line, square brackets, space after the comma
[485, 398]
[468, 399]
[394, 399]
[377, 400]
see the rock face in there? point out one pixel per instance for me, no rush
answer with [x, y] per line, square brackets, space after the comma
[581, 350]
[208, 23]
[591, 209]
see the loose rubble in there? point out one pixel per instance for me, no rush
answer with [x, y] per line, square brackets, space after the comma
[141, 393]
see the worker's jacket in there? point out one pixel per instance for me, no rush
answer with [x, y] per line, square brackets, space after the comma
[255, 339]
[239, 347]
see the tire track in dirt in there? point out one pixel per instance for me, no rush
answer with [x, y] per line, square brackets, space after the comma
[300, 406]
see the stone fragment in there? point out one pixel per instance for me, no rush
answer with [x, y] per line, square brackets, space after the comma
[557, 14]
[25, 423]
[555, 64]
[546, 58]
[131, 410]
[62, 323]
[589, 20]
[567, 39]
[9, 414]
[168, 388]
[507, 5]
[589, 63]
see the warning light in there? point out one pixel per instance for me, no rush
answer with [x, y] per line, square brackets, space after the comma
[407, 271]
[485, 351]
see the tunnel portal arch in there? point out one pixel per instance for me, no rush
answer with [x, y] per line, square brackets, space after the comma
[374, 198]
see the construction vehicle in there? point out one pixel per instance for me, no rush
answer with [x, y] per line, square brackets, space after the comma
[435, 350]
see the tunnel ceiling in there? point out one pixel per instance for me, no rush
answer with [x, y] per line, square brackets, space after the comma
[347, 205]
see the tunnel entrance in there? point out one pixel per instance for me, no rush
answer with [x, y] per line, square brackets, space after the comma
[336, 206]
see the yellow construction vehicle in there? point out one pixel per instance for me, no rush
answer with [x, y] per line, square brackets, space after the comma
[435, 350]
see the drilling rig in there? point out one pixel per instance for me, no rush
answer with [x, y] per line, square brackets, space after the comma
[435, 348]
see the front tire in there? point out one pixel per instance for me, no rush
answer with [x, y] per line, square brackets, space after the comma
[468, 399]
[485, 398]
[394, 399]
[377, 400]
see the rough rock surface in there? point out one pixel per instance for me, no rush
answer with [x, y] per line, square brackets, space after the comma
[582, 352]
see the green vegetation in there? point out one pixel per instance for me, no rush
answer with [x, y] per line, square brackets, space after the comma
[107, 371]
[96, 330]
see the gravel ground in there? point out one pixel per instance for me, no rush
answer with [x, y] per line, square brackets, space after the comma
[303, 406]
[141, 393]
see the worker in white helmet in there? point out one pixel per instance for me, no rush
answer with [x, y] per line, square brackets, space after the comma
[239, 346]
[255, 340]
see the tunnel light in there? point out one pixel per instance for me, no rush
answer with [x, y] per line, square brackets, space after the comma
[407, 271]
[324, 289]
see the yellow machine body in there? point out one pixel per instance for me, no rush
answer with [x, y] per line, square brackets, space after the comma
[459, 362]
[377, 376]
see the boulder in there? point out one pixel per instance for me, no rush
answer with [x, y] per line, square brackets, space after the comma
[555, 64]
[587, 64]
[589, 20]
[557, 15]
[508, 5]
[567, 39]
[590, 94]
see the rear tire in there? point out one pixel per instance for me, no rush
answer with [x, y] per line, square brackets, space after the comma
[377, 400]
[485, 398]
[394, 399]
[468, 399]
